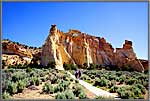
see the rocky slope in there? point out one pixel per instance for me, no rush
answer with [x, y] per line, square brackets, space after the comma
[76, 47]
[14, 53]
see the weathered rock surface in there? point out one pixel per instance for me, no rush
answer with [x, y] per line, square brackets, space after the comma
[15, 54]
[78, 48]
[11, 48]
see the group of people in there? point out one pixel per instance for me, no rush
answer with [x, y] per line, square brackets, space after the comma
[78, 74]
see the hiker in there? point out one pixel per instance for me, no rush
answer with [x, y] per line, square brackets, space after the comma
[79, 73]
[76, 74]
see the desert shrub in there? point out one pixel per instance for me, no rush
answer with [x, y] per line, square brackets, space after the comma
[131, 81]
[117, 79]
[93, 77]
[69, 94]
[111, 83]
[54, 79]
[141, 97]
[60, 96]
[63, 85]
[65, 76]
[127, 92]
[97, 82]
[77, 89]
[84, 77]
[122, 79]
[17, 76]
[21, 85]
[43, 79]
[58, 88]
[92, 66]
[69, 66]
[37, 81]
[82, 95]
[145, 84]
[119, 73]
[48, 88]
[28, 70]
[113, 89]
[5, 95]
[137, 91]
[103, 82]
[12, 88]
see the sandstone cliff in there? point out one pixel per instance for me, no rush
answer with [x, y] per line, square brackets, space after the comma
[76, 47]
[14, 53]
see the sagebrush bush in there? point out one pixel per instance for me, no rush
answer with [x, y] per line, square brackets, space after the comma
[113, 89]
[21, 85]
[48, 88]
[82, 95]
[28, 70]
[54, 80]
[69, 94]
[60, 96]
[77, 89]
[5, 95]
[12, 88]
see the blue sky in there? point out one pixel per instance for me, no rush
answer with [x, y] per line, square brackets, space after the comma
[29, 22]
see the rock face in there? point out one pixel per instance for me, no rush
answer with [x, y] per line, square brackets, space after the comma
[15, 54]
[11, 48]
[75, 47]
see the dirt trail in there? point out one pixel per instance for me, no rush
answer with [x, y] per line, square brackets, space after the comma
[95, 90]
[33, 94]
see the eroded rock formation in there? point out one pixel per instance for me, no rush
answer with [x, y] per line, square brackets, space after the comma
[76, 47]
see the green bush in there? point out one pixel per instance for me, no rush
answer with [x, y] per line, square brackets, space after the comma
[60, 96]
[37, 82]
[113, 89]
[84, 77]
[69, 94]
[5, 95]
[58, 88]
[54, 80]
[17, 76]
[12, 88]
[77, 89]
[82, 95]
[43, 79]
[21, 86]
[131, 81]
[97, 82]
[103, 82]
[69, 66]
[92, 66]
[48, 88]
[28, 70]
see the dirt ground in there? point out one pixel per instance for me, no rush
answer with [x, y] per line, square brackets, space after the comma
[37, 94]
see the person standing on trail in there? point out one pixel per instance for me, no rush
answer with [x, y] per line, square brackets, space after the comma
[79, 73]
[76, 74]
